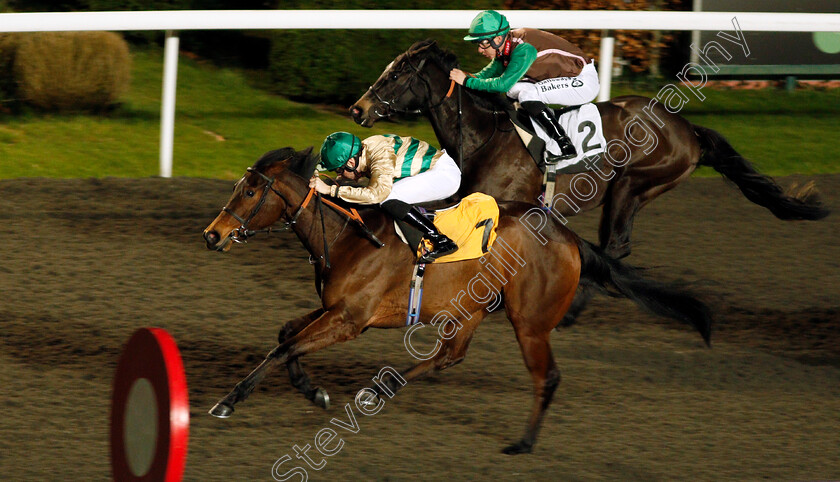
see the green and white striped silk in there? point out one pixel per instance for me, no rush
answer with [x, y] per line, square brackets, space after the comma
[413, 156]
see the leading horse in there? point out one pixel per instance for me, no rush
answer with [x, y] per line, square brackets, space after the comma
[649, 151]
[533, 270]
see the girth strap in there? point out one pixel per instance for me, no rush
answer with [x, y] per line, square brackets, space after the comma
[415, 295]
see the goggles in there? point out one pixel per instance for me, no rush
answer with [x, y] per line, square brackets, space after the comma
[488, 42]
[342, 169]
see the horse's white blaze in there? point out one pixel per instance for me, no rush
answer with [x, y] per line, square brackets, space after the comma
[387, 68]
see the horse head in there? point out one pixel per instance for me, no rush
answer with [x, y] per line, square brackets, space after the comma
[271, 189]
[413, 83]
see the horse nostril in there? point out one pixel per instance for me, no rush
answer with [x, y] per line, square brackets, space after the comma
[355, 111]
[212, 237]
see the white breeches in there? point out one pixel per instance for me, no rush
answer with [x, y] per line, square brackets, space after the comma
[439, 182]
[562, 90]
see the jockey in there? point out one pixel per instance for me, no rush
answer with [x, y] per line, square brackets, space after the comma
[533, 67]
[402, 171]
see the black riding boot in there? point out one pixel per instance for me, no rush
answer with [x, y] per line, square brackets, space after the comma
[441, 244]
[548, 121]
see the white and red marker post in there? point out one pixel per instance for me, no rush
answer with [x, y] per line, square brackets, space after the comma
[150, 413]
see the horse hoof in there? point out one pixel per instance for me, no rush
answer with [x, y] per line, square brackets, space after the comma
[518, 448]
[371, 401]
[322, 398]
[221, 410]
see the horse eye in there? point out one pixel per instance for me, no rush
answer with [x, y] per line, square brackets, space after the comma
[394, 76]
[249, 193]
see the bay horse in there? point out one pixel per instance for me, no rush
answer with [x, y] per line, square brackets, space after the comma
[649, 151]
[532, 272]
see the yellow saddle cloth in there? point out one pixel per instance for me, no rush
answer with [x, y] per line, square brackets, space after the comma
[471, 224]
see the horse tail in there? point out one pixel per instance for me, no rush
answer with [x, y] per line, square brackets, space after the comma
[656, 297]
[758, 188]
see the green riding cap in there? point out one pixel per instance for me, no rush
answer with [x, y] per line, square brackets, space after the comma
[338, 148]
[487, 25]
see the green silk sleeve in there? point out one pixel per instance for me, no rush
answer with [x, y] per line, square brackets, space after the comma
[493, 69]
[520, 61]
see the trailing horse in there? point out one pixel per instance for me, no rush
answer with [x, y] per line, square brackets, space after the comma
[649, 150]
[533, 274]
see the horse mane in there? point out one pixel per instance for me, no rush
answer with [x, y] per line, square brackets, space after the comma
[447, 60]
[301, 163]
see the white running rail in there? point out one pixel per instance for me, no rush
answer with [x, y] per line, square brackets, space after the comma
[173, 21]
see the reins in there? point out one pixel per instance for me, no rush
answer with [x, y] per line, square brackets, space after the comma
[350, 214]
[391, 107]
[496, 127]
[241, 234]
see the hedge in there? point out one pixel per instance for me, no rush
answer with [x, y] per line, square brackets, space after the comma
[325, 66]
[337, 66]
[70, 71]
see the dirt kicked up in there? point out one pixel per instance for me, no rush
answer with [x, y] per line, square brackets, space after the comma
[86, 262]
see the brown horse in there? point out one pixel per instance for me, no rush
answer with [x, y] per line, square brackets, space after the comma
[532, 270]
[649, 151]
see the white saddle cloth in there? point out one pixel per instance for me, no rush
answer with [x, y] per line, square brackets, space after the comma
[583, 126]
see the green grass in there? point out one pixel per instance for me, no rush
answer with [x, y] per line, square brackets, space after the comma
[779, 132]
[223, 125]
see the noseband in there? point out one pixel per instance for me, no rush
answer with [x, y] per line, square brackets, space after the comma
[390, 107]
[242, 233]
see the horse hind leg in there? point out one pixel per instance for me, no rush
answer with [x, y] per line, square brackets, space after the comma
[546, 377]
[534, 309]
[614, 237]
[450, 352]
[617, 220]
[614, 234]
[584, 293]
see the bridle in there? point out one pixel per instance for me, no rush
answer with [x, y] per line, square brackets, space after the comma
[242, 233]
[391, 108]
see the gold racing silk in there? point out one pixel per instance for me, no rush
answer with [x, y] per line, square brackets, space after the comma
[386, 159]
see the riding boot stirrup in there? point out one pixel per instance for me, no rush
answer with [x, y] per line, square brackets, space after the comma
[441, 244]
[548, 121]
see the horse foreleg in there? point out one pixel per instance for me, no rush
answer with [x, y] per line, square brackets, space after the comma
[300, 380]
[540, 362]
[297, 375]
[293, 327]
[224, 408]
[330, 328]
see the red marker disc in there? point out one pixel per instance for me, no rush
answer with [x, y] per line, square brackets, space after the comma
[150, 413]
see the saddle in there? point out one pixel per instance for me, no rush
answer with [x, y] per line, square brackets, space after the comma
[470, 222]
[584, 126]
